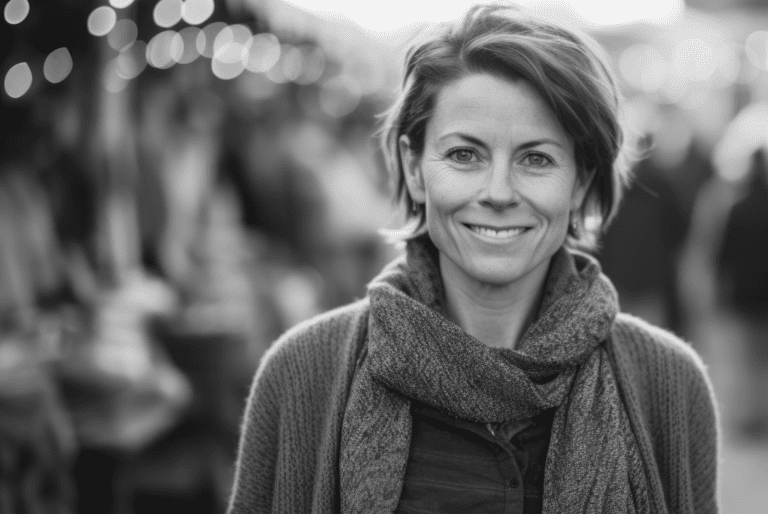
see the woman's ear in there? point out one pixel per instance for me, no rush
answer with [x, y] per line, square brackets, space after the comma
[411, 165]
[583, 183]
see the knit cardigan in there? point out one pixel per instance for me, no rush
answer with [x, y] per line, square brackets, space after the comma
[289, 447]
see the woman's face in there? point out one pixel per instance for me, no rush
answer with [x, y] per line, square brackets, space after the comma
[498, 179]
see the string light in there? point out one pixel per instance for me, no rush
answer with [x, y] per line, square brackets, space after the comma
[230, 53]
[101, 21]
[18, 80]
[167, 13]
[207, 37]
[189, 35]
[132, 60]
[120, 4]
[195, 12]
[57, 66]
[122, 34]
[165, 49]
[16, 11]
[263, 52]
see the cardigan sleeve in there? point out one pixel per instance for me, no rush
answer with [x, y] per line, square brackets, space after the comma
[289, 442]
[257, 455]
[704, 443]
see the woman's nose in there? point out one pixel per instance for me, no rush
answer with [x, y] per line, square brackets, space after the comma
[500, 190]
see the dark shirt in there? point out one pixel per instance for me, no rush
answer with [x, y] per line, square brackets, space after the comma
[461, 466]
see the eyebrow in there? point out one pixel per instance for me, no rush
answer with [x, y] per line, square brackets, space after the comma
[524, 146]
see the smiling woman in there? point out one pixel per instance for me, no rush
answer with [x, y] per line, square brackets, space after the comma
[488, 370]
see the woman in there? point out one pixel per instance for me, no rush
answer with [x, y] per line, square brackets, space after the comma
[488, 370]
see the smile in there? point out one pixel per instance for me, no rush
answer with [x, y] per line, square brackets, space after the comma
[497, 234]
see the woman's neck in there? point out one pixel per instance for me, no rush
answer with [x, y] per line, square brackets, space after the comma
[497, 316]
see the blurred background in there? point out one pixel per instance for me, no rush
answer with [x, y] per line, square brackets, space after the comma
[181, 181]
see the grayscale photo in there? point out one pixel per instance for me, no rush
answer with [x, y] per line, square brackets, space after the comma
[407, 257]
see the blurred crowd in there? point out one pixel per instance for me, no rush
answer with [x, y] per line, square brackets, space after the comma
[167, 210]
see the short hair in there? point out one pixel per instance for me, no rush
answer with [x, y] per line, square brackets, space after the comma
[568, 69]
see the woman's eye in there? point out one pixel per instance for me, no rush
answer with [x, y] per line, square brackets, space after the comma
[537, 159]
[462, 155]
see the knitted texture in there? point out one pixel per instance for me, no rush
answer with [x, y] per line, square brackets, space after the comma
[670, 403]
[416, 352]
[288, 460]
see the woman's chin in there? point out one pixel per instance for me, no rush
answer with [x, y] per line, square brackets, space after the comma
[498, 272]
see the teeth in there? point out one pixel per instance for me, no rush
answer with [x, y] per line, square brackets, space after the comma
[496, 233]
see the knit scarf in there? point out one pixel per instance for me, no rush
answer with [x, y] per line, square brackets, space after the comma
[414, 352]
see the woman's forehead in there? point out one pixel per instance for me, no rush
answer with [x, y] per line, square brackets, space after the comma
[485, 104]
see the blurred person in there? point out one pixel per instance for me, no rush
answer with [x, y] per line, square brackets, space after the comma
[640, 250]
[37, 438]
[708, 278]
[742, 270]
[37, 442]
[193, 251]
[488, 369]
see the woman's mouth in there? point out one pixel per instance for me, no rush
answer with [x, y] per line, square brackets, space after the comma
[498, 233]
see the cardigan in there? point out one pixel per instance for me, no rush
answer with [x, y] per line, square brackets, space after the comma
[291, 431]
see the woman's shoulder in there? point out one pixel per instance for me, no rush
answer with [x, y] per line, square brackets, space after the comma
[647, 341]
[321, 341]
[650, 355]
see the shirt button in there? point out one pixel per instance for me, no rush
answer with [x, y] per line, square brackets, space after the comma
[514, 483]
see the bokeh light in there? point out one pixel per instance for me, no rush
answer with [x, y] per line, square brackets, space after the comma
[339, 96]
[120, 4]
[165, 49]
[264, 52]
[277, 73]
[18, 80]
[643, 67]
[57, 66]
[207, 37]
[101, 20]
[756, 49]
[230, 51]
[167, 13]
[694, 59]
[16, 11]
[111, 79]
[239, 34]
[122, 34]
[747, 132]
[727, 66]
[189, 35]
[292, 63]
[132, 60]
[196, 12]
[313, 64]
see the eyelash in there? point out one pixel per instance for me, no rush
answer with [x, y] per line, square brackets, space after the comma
[453, 151]
[548, 160]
